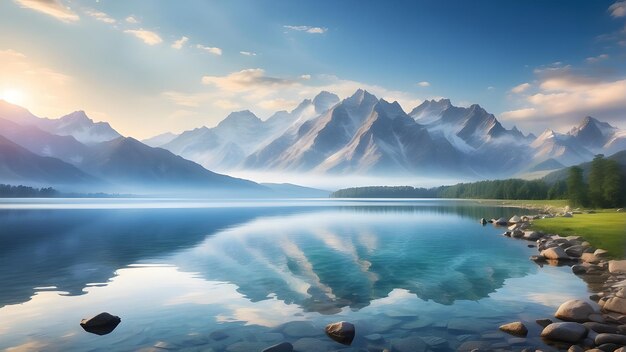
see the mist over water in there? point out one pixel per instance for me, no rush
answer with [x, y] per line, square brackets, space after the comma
[176, 271]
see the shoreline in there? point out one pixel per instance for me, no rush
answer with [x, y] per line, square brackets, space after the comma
[579, 325]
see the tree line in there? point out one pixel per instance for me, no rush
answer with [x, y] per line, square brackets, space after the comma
[605, 188]
[9, 191]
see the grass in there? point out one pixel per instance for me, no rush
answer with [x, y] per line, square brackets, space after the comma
[535, 204]
[605, 229]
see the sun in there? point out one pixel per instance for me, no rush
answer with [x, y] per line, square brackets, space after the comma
[13, 96]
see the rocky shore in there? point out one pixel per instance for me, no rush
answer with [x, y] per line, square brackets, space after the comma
[596, 325]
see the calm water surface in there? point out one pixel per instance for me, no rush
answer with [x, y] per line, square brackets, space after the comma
[243, 275]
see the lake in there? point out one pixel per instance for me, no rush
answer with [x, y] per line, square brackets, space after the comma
[198, 275]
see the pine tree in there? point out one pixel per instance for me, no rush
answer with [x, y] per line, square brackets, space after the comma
[612, 185]
[576, 188]
[596, 182]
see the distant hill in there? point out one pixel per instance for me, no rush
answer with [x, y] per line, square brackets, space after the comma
[21, 166]
[619, 157]
[294, 191]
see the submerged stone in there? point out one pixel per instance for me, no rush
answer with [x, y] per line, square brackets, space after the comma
[102, 324]
[342, 332]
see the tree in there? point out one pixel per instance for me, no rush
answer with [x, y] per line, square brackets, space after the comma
[612, 185]
[576, 188]
[596, 181]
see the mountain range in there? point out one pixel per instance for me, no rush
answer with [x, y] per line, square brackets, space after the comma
[363, 134]
[359, 135]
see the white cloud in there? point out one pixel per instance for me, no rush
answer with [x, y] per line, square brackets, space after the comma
[598, 58]
[423, 84]
[210, 50]
[132, 19]
[520, 88]
[100, 16]
[148, 37]
[54, 8]
[178, 44]
[247, 53]
[226, 104]
[306, 77]
[618, 9]
[519, 114]
[245, 80]
[491, 88]
[307, 29]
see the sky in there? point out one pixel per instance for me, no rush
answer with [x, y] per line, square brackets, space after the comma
[149, 67]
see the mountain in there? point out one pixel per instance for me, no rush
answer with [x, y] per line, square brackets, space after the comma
[43, 143]
[21, 166]
[226, 145]
[131, 164]
[288, 190]
[564, 148]
[76, 124]
[160, 139]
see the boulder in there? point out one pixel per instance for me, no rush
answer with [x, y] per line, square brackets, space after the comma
[483, 221]
[515, 219]
[601, 253]
[567, 332]
[617, 266]
[516, 328]
[589, 258]
[501, 222]
[601, 339]
[574, 310]
[602, 328]
[579, 269]
[568, 215]
[342, 332]
[517, 234]
[544, 322]
[556, 253]
[532, 235]
[101, 324]
[281, 347]
[575, 348]
[575, 251]
[615, 304]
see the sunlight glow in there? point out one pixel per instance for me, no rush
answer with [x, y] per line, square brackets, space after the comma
[12, 96]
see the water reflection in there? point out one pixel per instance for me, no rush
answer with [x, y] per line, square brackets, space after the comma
[182, 272]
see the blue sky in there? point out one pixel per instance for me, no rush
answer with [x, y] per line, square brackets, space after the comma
[152, 66]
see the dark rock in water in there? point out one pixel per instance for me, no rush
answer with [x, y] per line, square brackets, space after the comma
[544, 322]
[531, 246]
[281, 347]
[568, 332]
[516, 328]
[610, 338]
[342, 332]
[501, 222]
[101, 324]
[579, 269]
[483, 221]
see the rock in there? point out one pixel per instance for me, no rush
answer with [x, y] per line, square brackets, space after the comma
[554, 253]
[574, 310]
[435, 343]
[531, 246]
[579, 269]
[483, 221]
[568, 332]
[596, 317]
[602, 328]
[568, 215]
[517, 234]
[543, 322]
[501, 222]
[342, 332]
[617, 266]
[516, 328]
[608, 347]
[281, 347]
[245, 346]
[610, 338]
[601, 253]
[101, 324]
[468, 346]
[589, 258]
[515, 219]
[575, 251]
[532, 235]
[409, 344]
[621, 349]
[575, 348]
[616, 304]
[516, 341]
